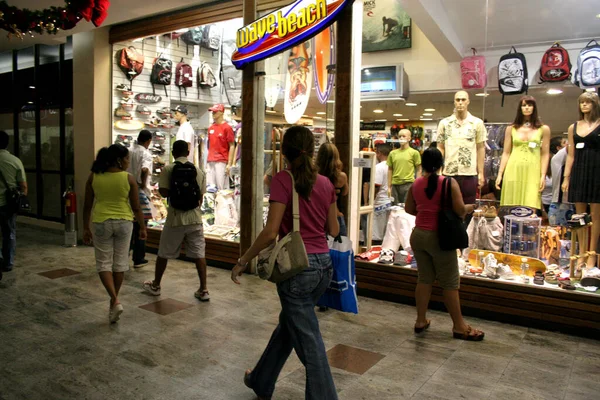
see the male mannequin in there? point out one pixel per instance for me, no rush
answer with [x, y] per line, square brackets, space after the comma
[221, 149]
[185, 132]
[403, 163]
[461, 139]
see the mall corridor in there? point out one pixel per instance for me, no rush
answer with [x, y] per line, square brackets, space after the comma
[56, 342]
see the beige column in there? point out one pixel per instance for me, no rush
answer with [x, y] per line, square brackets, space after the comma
[92, 88]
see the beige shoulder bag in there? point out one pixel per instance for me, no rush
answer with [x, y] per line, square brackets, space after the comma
[287, 257]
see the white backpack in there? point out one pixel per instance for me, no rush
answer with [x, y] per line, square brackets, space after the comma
[587, 72]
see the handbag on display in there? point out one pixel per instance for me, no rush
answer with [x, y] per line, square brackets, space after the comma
[341, 293]
[287, 257]
[16, 201]
[451, 230]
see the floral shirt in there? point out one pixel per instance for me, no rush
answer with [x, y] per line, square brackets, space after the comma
[460, 144]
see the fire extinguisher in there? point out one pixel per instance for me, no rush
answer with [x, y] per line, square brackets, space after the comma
[70, 218]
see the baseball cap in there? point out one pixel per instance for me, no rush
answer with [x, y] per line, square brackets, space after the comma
[217, 107]
[181, 109]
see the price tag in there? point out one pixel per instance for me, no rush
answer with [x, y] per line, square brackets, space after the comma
[362, 162]
[580, 145]
[533, 145]
[234, 171]
[495, 233]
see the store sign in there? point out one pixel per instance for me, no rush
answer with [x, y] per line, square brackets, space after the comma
[372, 126]
[521, 211]
[360, 162]
[284, 28]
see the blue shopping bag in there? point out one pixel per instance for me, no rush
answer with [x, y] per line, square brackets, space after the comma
[341, 293]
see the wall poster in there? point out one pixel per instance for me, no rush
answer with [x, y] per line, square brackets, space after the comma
[385, 26]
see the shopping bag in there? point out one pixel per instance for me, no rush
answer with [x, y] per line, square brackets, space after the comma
[341, 293]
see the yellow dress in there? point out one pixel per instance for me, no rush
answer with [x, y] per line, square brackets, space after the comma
[521, 181]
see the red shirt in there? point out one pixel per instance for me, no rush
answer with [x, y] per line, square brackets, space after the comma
[427, 210]
[313, 213]
[219, 137]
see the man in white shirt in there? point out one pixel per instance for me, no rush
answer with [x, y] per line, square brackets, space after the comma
[185, 132]
[381, 190]
[558, 147]
[140, 167]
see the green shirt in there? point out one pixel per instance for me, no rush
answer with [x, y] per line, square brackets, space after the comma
[111, 192]
[403, 163]
[177, 217]
[12, 170]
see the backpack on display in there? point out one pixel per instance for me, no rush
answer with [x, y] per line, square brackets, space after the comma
[587, 72]
[130, 62]
[211, 38]
[183, 77]
[162, 70]
[206, 77]
[556, 65]
[472, 71]
[512, 74]
[193, 37]
[184, 192]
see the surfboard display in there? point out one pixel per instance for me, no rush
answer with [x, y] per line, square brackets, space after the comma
[275, 76]
[324, 55]
[298, 82]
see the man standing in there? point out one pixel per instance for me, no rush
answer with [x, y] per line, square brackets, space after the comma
[558, 147]
[184, 185]
[402, 164]
[140, 167]
[382, 152]
[461, 139]
[221, 143]
[185, 132]
[13, 176]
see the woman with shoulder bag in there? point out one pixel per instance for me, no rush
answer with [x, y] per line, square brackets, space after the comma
[298, 327]
[424, 201]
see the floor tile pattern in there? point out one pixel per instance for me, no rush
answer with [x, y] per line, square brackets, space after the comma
[58, 273]
[166, 306]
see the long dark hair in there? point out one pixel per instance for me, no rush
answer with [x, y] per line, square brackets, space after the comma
[431, 161]
[298, 147]
[109, 157]
[328, 162]
[520, 118]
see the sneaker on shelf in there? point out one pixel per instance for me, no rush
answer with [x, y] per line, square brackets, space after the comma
[386, 256]
[122, 87]
[505, 272]
[164, 112]
[490, 266]
[202, 295]
[402, 258]
[140, 264]
[115, 313]
[159, 135]
[592, 272]
[150, 288]
[127, 102]
[142, 109]
[121, 112]
[157, 149]
[124, 140]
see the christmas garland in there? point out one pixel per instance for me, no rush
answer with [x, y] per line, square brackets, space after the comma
[20, 22]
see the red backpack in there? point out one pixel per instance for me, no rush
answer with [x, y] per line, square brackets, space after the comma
[472, 71]
[556, 65]
[183, 77]
[130, 62]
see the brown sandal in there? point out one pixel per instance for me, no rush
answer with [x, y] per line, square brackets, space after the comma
[471, 335]
[422, 328]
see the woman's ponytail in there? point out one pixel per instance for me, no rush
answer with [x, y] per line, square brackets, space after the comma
[298, 147]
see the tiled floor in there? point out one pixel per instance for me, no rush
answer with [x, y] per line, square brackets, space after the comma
[55, 342]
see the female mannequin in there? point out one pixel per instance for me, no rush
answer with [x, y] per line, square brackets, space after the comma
[525, 158]
[583, 160]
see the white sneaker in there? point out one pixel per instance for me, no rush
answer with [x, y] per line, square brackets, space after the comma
[505, 272]
[592, 272]
[115, 313]
[490, 266]
[149, 287]
[202, 295]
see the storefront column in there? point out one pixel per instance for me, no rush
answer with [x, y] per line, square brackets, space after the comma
[91, 104]
[253, 126]
[347, 104]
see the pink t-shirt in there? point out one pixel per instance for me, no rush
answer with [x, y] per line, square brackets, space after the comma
[427, 210]
[313, 213]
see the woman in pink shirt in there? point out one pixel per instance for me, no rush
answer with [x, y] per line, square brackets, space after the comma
[298, 327]
[433, 263]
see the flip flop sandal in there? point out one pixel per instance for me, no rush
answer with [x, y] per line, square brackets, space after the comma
[538, 280]
[364, 256]
[566, 284]
[423, 328]
[470, 335]
[551, 278]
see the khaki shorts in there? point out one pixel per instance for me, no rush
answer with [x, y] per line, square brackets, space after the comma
[111, 245]
[172, 238]
[432, 262]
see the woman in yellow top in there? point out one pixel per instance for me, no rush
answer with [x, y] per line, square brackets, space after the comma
[525, 158]
[113, 194]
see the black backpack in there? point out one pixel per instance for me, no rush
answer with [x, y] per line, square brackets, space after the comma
[162, 70]
[512, 74]
[184, 192]
[193, 37]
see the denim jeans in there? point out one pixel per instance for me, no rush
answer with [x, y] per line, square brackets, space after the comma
[298, 329]
[8, 226]
[138, 245]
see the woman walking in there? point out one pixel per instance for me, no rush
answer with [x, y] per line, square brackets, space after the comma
[298, 327]
[113, 195]
[330, 165]
[423, 201]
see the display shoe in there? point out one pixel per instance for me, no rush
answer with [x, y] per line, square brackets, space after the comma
[592, 272]
[386, 256]
[490, 266]
[122, 87]
[127, 102]
[491, 212]
[551, 278]
[164, 112]
[157, 149]
[505, 272]
[122, 113]
[142, 109]
[538, 278]
[402, 258]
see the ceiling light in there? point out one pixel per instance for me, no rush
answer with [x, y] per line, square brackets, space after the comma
[30, 102]
[590, 90]
[381, 120]
[317, 118]
[305, 116]
[272, 111]
[397, 115]
[597, 15]
[321, 113]
[482, 94]
[330, 101]
[426, 119]
[329, 119]
[411, 104]
[403, 119]
[430, 109]
[553, 91]
[31, 87]
[427, 114]
[378, 111]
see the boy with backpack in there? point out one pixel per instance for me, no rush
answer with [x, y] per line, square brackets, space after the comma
[183, 184]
